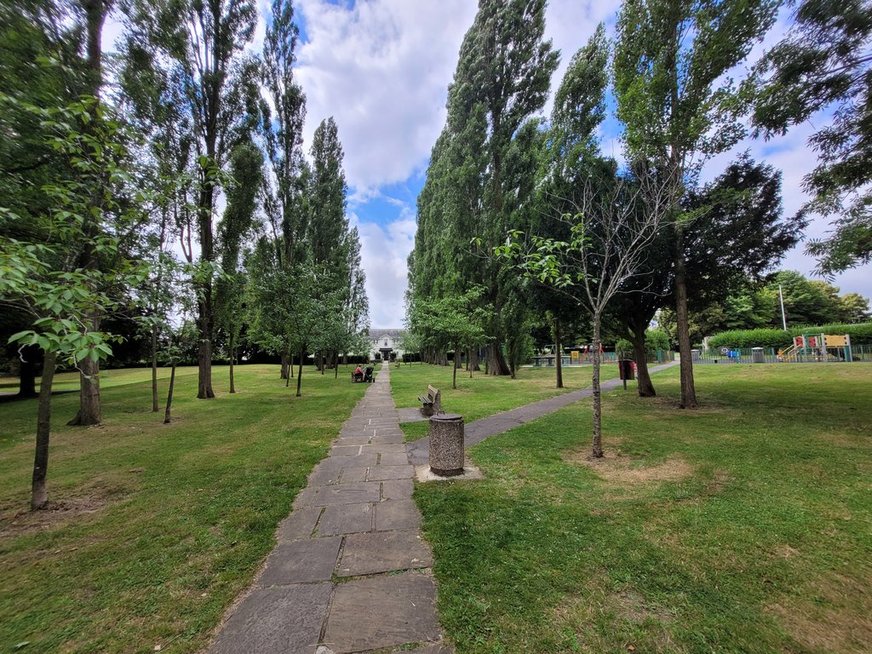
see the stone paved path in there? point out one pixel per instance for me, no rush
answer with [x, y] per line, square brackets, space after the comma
[475, 432]
[351, 571]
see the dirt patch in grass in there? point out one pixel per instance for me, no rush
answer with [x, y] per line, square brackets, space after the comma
[623, 470]
[632, 607]
[828, 617]
[15, 520]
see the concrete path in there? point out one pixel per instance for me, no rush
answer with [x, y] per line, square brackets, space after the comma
[475, 432]
[351, 571]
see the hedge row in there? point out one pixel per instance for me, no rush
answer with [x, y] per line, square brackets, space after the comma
[861, 334]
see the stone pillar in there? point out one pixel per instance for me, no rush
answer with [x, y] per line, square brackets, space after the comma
[446, 444]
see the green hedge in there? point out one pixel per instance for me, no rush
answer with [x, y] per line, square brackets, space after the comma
[861, 334]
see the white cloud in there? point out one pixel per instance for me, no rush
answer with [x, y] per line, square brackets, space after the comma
[384, 250]
[381, 69]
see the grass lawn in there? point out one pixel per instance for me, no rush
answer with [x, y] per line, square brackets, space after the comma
[154, 528]
[69, 381]
[483, 395]
[744, 526]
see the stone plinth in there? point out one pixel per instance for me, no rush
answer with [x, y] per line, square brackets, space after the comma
[446, 444]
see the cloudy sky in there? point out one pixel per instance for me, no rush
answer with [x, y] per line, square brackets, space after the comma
[381, 68]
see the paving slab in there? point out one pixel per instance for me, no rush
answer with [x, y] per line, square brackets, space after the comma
[301, 561]
[345, 519]
[289, 609]
[411, 414]
[397, 514]
[300, 524]
[356, 493]
[397, 489]
[383, 551]
[274, 620]
[386, 473]
[353, 474]
[394, 459]
[379, 612]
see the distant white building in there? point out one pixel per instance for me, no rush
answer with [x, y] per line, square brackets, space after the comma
[386, 344]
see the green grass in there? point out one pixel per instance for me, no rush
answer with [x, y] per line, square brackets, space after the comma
[69, 381]
[483, 395]
[155, 528]
[744, 526]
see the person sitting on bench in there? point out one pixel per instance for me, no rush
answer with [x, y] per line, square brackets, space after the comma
[358, 374]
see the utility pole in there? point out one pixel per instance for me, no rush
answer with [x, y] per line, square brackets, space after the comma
[783, 315]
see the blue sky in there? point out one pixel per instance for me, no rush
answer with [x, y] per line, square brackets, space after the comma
[382, 68]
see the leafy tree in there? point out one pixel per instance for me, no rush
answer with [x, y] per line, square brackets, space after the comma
[854, 308]
[679, 104]
[806, 302]
[285, 190]
[606, 249]
[42, 277]
[453, 322]
[568, 157]
[201, 45]
[246, 170]
[502, 78]
[825, 63]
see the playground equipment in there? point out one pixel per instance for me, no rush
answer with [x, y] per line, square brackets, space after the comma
[818, 347]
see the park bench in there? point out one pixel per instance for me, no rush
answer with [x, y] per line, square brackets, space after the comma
[431, 402]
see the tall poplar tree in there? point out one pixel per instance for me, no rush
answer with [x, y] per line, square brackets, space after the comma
[679, 105]
[283, 116]
[502, 78]
[203, 42]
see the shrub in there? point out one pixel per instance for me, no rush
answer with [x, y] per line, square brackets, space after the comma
[861, 334]
[655, 339]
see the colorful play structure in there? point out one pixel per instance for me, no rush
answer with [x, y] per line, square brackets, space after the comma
[818, 347]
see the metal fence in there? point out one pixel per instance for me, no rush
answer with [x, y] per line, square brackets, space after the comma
[549, 360]
[726, 355]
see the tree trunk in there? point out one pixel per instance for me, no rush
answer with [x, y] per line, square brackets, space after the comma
[154, 406]
[336, 365]
[558, 346]
[323, 361]
[454, 367]
[27, 372]
[496, 361]
[286, 365]
[167, 415]
[204, 362]
[688, 392]
[95, 14]
[38, 495]
[474, 360]
[596, 391]
[232, 355]
[640, 353]
[89, 395]
[300, 375]
[469, 366]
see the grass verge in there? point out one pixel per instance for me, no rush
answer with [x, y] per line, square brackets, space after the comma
[744, 526]
[154, 529]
